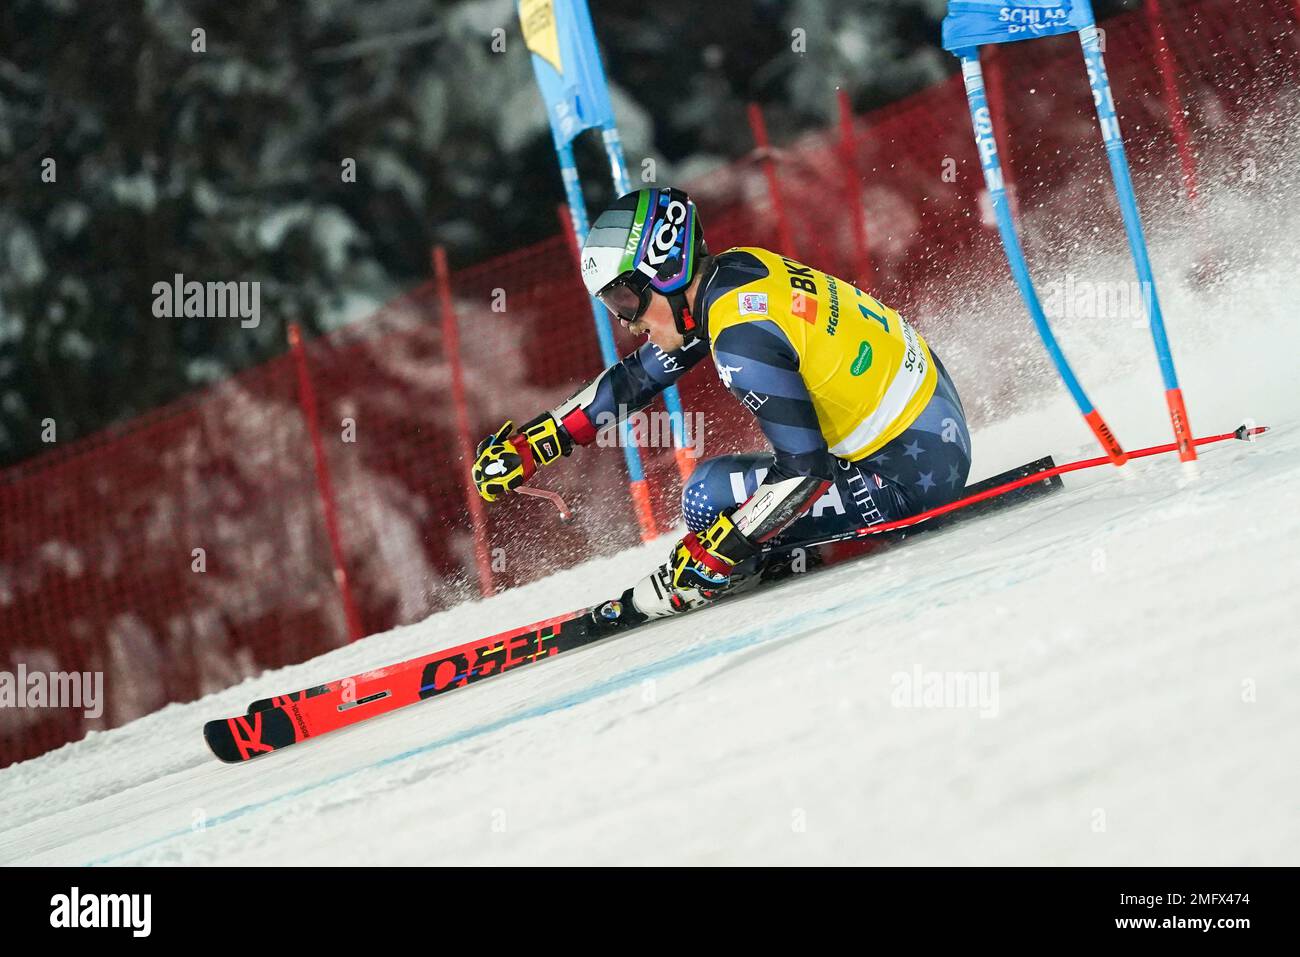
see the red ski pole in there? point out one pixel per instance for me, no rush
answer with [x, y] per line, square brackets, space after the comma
[1245, 433]
[553, 497]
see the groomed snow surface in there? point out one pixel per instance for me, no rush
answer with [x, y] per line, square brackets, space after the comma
[1142, 635]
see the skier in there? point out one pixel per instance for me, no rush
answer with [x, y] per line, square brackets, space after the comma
[864, 422]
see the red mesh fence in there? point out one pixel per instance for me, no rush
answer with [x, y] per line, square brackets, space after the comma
[187, 549]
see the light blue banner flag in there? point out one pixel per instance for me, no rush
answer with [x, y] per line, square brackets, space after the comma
[567, 65]
[972, 23]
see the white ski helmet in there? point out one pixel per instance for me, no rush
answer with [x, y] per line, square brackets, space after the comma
[649, 241]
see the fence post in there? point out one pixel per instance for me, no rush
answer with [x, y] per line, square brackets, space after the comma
[451, 352]
[764, 151]
[1173, 102]
[325, 487]
[853, 194]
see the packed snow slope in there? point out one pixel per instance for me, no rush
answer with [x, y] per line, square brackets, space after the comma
[1136, 639]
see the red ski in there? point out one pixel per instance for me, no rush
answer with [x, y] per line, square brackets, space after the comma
[288, 719]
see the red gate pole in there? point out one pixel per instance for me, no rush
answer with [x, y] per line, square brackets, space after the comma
[852, 193]
[324, 486]
[764, 151]
[1173, 101]
[451, 351]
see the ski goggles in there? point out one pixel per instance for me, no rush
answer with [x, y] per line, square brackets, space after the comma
[626, 298]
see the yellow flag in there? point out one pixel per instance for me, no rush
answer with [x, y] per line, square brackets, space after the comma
[540, 34]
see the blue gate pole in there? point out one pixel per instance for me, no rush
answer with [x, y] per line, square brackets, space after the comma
[1119, 170]
[672, 399]
[986, 144]
[609, 355]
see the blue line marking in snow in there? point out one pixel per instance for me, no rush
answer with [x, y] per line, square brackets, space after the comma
[690, 656]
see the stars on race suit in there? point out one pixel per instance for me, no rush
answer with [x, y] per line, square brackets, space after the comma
[924, 480]
[696, 508]
[954, 476]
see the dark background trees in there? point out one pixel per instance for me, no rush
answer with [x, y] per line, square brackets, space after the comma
[129, 156]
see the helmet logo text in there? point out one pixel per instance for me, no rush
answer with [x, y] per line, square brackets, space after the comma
[665, 234]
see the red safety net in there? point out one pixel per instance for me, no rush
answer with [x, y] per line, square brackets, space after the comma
[188, 549]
